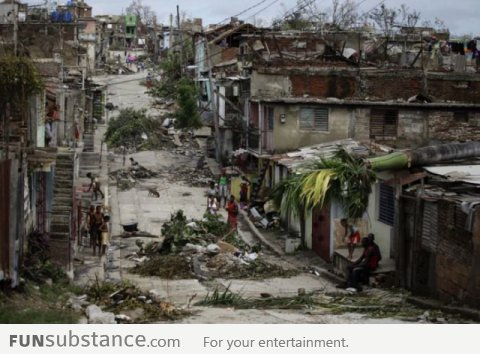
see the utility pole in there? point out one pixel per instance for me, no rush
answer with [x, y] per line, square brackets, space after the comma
[218, 139]
[181, 39]
[15, 29]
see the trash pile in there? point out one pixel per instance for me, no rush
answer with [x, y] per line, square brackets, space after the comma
[203, 249]
[110, 303]
[195, 177]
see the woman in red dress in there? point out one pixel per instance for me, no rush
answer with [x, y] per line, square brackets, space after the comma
[232, 209]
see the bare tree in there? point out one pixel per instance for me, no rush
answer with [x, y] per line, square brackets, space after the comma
[385, 18]
[344, 13]
[143, 12]
[308, 15]
[409, 18]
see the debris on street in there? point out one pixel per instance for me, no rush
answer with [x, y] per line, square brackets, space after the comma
[204, 249]
[118, 302]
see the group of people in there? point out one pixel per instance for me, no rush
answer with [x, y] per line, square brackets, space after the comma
[97, 227]
[96, 223]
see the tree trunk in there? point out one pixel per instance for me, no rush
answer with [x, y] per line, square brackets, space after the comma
[425, 156]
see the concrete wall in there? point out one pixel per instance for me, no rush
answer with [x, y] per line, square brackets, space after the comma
[288, 136]
[270, 85]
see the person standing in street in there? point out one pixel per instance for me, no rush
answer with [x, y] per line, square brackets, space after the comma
[232, 210]
[96, 229]
[95, 184]
[223, 185]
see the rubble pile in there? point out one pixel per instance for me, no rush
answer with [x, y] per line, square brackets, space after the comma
[117, 68]
[127, 178]
[198, 248]
[192, 176]
[124, 303]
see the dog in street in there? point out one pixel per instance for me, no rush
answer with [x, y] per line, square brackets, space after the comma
[152, 192]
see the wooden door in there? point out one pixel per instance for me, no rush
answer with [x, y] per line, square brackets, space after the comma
[321, 232]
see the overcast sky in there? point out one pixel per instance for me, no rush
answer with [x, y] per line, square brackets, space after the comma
[461, 16]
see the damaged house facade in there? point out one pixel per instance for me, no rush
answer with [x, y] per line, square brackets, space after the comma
[302, 94]
[42, 142]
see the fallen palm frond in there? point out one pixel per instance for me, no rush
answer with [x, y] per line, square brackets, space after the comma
[315, 186]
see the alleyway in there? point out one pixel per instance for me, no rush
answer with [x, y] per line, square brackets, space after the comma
[135, 205]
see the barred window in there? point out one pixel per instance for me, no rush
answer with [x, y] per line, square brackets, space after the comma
[386, 205]
[312, 118]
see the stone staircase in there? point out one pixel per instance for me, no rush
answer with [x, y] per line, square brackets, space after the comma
[62, 230]
[88, 142]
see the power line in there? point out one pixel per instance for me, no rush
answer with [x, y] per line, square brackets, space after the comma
[246, 10]
[263, 9]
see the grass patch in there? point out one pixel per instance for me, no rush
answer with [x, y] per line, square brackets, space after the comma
[32, 303]
[222, 298]
[227, 298]
[21, 314]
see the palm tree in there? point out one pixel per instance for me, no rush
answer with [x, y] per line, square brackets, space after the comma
[344, 178]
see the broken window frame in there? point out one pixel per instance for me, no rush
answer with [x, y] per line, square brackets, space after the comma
[317, 119]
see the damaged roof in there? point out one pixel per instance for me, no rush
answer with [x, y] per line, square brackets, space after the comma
[455, 173]
[296, 159]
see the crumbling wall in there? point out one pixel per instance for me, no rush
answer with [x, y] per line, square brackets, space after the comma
[411, 128]
[456, 88]
[451, 126]
[456, 267]
[391, 85]
[328, 84]
[270, 85]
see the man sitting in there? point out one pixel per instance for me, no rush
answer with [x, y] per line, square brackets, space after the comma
[360, 270]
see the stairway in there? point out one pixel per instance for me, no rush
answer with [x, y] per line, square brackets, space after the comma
[258, 185]
[62, 228]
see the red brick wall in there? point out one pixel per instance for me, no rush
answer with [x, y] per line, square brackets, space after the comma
[323, 85]
[229, 54]
[454, 90]
[391, 86]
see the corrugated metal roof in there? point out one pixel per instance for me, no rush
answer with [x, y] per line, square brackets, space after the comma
[303, 156]
[464, 173]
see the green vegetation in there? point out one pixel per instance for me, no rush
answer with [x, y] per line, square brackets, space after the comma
[20, 79]
[187, 114]
[32, 303]
[168, 266]
[128, 128]
[227, 298]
